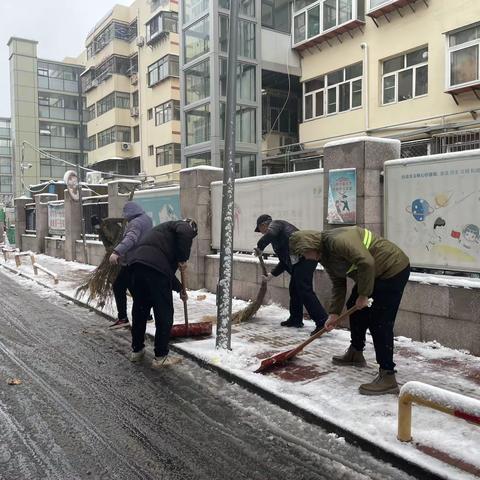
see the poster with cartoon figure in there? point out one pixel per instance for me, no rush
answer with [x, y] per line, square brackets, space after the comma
[342, 196]
[432, 210]
[161, 204]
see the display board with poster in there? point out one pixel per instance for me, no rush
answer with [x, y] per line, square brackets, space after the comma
[342, 196]
[432, 209]
[160, 204]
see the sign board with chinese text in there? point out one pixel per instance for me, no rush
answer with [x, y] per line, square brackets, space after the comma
[342, 196]
[432, 209]
[56, 218]
[296, 197]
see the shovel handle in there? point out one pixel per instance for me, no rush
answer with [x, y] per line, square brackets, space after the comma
[262, 265]
[183, 276]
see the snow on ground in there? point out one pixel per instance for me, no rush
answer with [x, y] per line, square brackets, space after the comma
[323, 389]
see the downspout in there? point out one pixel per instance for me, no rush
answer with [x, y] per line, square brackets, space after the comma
[364, 47]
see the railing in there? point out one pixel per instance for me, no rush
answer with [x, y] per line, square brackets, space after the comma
[56, 218]
[94, 206]
[433, 397]
[30, 218]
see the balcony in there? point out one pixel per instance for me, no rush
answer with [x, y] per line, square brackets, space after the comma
[323, 20]
[379, 8]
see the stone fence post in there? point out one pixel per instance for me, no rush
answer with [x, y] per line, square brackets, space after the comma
[367, 155]
[118, 194]
[195, 203]
[20, 219]
[73, 225]
[41, 206]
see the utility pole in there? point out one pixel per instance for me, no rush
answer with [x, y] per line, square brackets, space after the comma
[224, 288]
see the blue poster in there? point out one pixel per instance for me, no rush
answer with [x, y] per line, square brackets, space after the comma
[161, 208]
[342, 196]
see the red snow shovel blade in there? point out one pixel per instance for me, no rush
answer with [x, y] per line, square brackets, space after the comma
[191, 330]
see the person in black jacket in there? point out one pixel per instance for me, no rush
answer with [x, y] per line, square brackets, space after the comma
[277, 233]
[153, 264]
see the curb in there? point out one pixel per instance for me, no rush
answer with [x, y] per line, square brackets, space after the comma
[377, 451]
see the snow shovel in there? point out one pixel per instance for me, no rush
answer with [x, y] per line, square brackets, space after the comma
[283, 357]
[189, 329]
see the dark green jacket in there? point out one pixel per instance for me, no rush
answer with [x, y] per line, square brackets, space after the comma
[354, 252]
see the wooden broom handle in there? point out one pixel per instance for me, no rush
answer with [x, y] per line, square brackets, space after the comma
[183, 276]
[262, 265]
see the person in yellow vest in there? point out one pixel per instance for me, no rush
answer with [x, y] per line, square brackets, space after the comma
[380, 270]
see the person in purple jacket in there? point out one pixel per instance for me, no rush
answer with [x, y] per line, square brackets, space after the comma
[139, 223]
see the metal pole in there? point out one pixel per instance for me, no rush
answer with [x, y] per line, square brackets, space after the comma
[224, 288]
[79, 173]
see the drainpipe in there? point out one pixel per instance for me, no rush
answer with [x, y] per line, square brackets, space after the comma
[364, 47]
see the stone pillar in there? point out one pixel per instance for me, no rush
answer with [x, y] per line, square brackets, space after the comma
[118, 195]
[73, 226]
[367, 155]
[195, 203]
[41, 205]
[20, 219]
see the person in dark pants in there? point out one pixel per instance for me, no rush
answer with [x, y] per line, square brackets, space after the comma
[277, 233]
[153, 265]
[139, 223]
[380, 270]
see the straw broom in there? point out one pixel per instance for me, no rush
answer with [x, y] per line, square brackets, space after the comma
[251, 309]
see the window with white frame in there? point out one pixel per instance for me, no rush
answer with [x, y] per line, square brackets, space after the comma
[405, 76]
[463, 57]
[335, 92]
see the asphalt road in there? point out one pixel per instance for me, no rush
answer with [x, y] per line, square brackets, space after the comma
[83, 411]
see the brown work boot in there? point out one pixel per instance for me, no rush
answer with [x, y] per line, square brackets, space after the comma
[351, 357]
[384, 382]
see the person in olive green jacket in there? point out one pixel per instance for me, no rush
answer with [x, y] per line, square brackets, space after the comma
[380, 271]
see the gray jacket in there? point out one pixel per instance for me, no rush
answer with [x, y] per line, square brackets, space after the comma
[139, 223]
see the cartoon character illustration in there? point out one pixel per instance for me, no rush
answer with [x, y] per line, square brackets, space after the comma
[442, 200]
[420, 209]
[436, 237]
[167, 213]
[470, 236]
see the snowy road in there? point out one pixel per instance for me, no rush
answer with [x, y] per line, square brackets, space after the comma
[84, 412]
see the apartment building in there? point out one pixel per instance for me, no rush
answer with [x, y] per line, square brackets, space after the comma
[6, 167]
[268, 88]
[406, 69]
[46, 123]
[131, 83]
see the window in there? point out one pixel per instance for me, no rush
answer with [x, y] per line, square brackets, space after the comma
[135, 99]
[5, 184]
[199, 159]
[136, 134]
[336, 92]
[91, 112]
[196, 40]
[92, 143]
[151, 150]
[162, 69]
[463, 56]
[167, 154]
[276, 15]
[246, 80]
[246, 124]
[198, 124]
[405, 76]
[121, 31]
[246, 7]
[197, 81]
[193, 9]
[149, 113]
[5, 166]
[244, 164]
[164, 22]
[377, 3]
[313, 18]
[115, 99]
[114, 134]
[58, 77]
[166, 112]
[246, 37]
[5, 146]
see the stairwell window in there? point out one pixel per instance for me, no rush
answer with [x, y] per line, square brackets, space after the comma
[463, 57]
[405, 76]
[335, 92]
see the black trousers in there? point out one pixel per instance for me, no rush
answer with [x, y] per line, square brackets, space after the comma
[301, 293]
[380, 318]
[120, 287]
[149, 289]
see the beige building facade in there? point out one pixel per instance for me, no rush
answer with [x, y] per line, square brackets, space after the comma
[131, 83]
[391, 68]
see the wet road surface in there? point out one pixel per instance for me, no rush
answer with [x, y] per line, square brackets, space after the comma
[83, 411]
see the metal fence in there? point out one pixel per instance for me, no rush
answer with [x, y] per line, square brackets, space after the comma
[31, 218]
[94, 206]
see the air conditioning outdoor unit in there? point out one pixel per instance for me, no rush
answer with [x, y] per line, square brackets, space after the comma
[140, 41]
[95, 83]
[134, 112]
[134, 78]
[94, 178]
[126, 146]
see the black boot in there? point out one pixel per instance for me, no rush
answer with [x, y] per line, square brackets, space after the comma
[292, 323]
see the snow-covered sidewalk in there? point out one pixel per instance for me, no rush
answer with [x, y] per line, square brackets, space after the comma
[447, 446]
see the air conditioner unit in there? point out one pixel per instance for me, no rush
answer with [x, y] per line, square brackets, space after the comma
[134, 112]
[140, 41]
[94, 178]
[126, 146]
[94, 82]
[134, 78]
